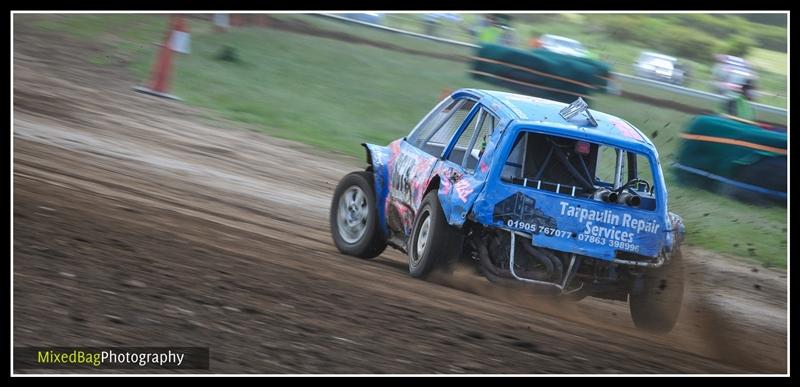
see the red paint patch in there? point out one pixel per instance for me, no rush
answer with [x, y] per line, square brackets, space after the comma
[626, 129]
[484, 167]
[395, 147]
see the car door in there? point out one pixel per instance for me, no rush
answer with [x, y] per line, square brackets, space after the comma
[415, 159]
[463, 165]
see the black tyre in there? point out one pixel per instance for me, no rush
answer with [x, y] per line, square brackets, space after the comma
[354, 217]
[656, 306]
[434, 244]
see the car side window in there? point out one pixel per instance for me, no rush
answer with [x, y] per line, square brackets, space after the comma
[472, 143]
[438, 138]
[433, 121]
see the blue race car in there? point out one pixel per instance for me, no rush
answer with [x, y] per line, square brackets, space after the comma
[555, 197]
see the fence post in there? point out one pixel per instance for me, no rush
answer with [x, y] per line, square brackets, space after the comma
[177, 39]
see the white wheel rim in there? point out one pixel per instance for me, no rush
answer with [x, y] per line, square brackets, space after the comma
[422, 236]
[351, 217]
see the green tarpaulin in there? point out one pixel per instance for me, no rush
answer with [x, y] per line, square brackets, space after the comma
[729, 148]
[562, 77]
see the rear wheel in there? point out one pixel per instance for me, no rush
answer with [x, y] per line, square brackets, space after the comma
[434, 244]
[656, 306]
[354, 217]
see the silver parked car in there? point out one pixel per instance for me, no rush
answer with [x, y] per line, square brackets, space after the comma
[372, 18]
[562, 45]
[659, 67]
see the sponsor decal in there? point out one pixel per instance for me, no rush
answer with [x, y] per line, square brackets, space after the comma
[519, 211]
[608, 228]
[463, 189]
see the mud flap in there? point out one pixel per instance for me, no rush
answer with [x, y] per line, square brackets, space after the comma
[378, 158]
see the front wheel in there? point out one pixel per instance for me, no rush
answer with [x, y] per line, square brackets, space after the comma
[656, 305]
[354, 217]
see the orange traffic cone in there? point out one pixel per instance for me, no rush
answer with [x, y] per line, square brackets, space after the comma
[177, 40]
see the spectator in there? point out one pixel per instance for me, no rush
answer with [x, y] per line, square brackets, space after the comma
[491, 32]
[739, 105]
[431, 21]
[507, 37]
[494, 29]
[534, 41]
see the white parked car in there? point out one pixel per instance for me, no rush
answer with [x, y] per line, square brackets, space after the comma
[660, 67]
[369, 17]
[562, 45]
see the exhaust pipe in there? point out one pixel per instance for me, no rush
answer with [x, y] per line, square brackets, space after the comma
[621, 198]
[604, 194]
[506, 278]
[497, 273]
[629, 199]
[491, 272]
[553, 264]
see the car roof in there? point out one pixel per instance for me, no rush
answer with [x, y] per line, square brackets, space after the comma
[657, 55]
[731, 59]
[562, 38]
[531, 111]
[731, 68]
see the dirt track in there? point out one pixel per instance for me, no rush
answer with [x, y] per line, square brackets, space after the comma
[143, 222]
